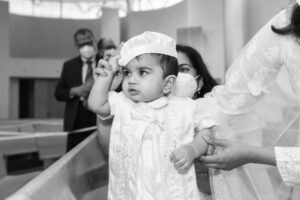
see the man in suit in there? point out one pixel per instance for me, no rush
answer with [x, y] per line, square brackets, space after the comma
[74, 86]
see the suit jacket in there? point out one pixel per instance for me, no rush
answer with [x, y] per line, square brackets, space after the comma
[71, 76]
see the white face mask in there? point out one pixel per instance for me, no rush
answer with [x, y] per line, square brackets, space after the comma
[87, 51]
[185, 85]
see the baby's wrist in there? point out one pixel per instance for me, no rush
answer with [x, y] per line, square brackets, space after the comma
[250, 155]
[193, 150]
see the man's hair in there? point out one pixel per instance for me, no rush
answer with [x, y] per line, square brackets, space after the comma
[169, 64]
[83, 31]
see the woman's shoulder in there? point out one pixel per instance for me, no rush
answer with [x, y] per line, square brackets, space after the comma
[282, 18]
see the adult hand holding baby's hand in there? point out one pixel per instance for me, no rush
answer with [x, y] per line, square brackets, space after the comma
[227, 154]
[183, 158]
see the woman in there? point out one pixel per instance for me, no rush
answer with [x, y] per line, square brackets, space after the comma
[190, 62]
[245, 98]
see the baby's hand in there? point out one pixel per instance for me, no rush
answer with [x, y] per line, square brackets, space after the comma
[183, 158]
[106, 68]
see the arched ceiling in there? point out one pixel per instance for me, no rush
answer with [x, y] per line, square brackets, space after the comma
[82, 9]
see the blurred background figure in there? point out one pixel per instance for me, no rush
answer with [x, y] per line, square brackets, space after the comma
[74, 86]
[105, 44]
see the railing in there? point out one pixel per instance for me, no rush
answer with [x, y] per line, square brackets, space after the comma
[80, 174]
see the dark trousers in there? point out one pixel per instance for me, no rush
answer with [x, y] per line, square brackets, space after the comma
[84, 119]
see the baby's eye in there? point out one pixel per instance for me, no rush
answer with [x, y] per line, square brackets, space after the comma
[126, 73]
[118, 73]
[143, 73]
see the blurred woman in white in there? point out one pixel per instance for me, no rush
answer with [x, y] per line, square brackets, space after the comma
[257, 111]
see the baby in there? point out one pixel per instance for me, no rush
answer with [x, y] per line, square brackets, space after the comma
[152, 142]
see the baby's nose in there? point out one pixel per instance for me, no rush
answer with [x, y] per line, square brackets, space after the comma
[132, 79]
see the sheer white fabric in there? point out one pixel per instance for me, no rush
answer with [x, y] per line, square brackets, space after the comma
[288, 163]
[259, 105]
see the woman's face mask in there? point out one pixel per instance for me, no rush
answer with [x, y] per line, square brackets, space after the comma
[185, 85]
[87, 51]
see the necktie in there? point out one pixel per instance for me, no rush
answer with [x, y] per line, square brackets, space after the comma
[89, 79]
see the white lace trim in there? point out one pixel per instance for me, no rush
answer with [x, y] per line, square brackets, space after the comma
[256, 85]
[252, 48]
[288, 164]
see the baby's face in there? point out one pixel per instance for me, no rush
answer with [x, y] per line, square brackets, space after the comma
[143, 79]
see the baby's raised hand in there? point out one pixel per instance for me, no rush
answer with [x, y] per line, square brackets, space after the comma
[183, 158]
[106, 68]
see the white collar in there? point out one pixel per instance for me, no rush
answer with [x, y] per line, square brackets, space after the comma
[84, 59]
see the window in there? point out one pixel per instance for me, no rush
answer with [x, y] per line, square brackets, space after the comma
[82, 9]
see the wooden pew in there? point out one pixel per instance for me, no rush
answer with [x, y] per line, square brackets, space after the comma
[48, 145]
[10, 146]
[80, 174]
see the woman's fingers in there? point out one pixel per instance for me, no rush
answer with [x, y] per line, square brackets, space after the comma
[210, 159]
[216, 142]
[215, 166]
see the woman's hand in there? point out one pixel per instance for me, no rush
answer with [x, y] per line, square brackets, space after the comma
[227, 154]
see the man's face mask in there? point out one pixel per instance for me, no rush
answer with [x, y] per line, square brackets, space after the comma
[87, 51]
[185, 85]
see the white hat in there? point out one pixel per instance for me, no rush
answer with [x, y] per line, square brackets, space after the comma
[147, 42]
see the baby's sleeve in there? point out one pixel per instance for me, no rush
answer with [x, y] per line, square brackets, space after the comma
[114, 100]
[203, 119]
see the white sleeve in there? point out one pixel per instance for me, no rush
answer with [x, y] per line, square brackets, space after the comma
[254, 71]
[288, 164]
[114, 100]
[202, 117]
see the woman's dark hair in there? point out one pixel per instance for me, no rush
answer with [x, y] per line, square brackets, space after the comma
[294, 26]
[197, 62]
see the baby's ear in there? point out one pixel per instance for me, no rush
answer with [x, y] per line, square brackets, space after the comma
[169, 83]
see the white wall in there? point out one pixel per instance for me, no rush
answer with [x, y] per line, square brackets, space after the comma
[243, 18]
[164, 20]
[260, 12]
[4, 58]
[111, 25]
[209, 15]
[46, 38]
